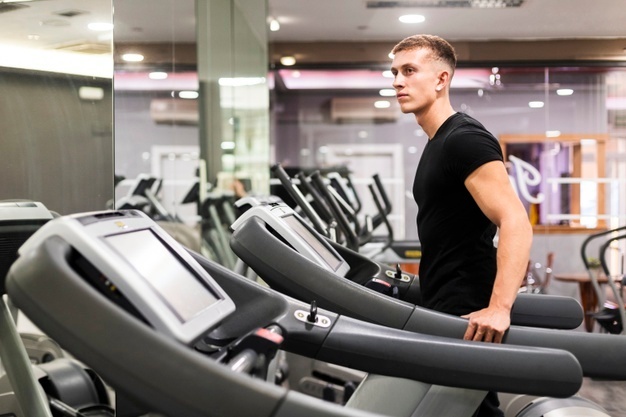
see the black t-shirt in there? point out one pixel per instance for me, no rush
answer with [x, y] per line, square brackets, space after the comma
[458, 264]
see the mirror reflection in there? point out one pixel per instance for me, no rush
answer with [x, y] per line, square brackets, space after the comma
[191, 114]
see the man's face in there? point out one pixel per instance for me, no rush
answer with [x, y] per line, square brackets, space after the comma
[416, 78]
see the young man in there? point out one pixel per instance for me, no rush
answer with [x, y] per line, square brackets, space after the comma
[464, 195]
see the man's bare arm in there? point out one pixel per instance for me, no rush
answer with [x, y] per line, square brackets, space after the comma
[490, 187]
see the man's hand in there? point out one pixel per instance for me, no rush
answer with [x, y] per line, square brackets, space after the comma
[487, 325]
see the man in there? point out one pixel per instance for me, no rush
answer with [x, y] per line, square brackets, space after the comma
[464, 195]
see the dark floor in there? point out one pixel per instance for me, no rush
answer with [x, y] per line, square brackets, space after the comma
[609, 394]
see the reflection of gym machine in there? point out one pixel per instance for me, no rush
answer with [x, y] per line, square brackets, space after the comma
[36, 380]
[155, 301]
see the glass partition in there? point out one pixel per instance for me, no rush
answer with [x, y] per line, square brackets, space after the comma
[191, 113]
[561, 129]
[56, 103]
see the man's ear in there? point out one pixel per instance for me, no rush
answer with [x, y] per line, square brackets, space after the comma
[443, 79]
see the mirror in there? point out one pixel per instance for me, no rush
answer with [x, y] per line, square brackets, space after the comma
[56, 103]
[191, 114]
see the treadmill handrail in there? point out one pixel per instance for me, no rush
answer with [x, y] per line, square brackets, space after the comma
[599, 355]
[178, 386]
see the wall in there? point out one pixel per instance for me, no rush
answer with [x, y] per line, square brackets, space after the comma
[56, 147]
[136, 133]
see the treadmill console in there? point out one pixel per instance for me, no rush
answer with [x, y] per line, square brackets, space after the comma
[291, 228]
[134, 262]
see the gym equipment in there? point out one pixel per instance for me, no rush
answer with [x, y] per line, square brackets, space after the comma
[283, 268]
[327, 211]
[156, 301]
[38, 381]
[609, 315]
[276, 222]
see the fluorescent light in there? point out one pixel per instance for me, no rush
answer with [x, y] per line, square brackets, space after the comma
[387, 92]
[535, 104]
[388, 74]
[157, 75]
[274, 25]
[382, 104]
[288, 61]
[132, 57]
[188, 94]
[564, 92]
[100, 26]
[412, 18]
[240, 81]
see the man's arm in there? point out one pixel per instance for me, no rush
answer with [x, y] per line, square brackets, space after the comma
[490, 187]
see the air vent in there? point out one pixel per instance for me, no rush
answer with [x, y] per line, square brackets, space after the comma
[359, 109]
[9, 7]
[382, 4]
[86, 48]
[174, 111]
[71, 13]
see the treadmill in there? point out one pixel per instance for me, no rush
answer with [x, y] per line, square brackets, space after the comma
[277, 222]
[36, 380]
[287, 267]
[180, 335]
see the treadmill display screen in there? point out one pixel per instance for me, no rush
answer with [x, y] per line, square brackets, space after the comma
[332, 260]
[177, 286]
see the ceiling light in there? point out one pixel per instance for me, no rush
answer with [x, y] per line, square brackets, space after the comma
[157, 75]
[553, 133]
[564, 92]
[274, 25]
[412, 18]
[240, 81]
[387, 92]
[382, 104]
[288, 61]
[62, 62]
[388, 74]
[190, 95]
[100, 26]
[132, 57]
[535, 104]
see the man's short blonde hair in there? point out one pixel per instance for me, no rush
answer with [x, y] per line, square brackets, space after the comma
[440, 48]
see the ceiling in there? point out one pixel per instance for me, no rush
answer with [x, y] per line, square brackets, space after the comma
[317, 20]
[61, 25]
[352, 20]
